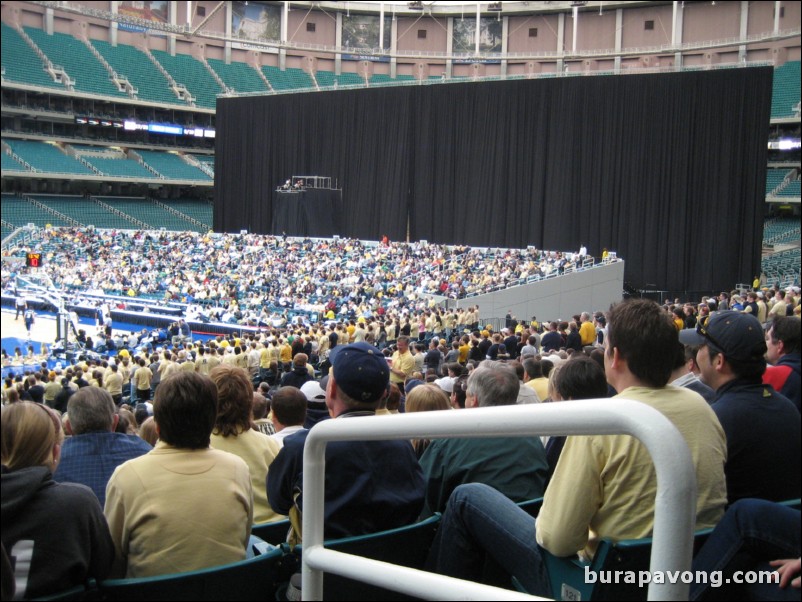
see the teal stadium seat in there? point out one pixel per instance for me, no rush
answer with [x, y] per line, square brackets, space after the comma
[405, 546]
[199, 210]
[87, 72]
[172, 166]
[785, 90]
[9, 164]
[19, 212]
[120, 167]
[774, 177]
[240, 77]
[47, 157]
[84, 211]
[20, 62]
[290, 79]
[252, 579]
[146, 211]
[193, 74]
[792, 189]
[207, 160]
[381, 79]
[568, 575]
[781, 230]
[150, 83]
[351, 79]
[783, 267]
[327, 79]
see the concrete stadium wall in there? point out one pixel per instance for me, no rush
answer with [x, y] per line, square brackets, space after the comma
[556, 298]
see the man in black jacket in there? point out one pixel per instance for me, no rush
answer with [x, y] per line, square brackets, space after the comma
[299, 373]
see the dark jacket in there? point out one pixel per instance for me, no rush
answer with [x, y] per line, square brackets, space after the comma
[370, 485]
[296, 378]
[61, 525]
[764, 459]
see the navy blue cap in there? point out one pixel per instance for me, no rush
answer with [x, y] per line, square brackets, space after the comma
[411, 384]
[736, 336]
[361, 371]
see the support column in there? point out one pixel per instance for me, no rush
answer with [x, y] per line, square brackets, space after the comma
[338, 42]
[229, 22]
[676, 34]
[381, 25]
[619, 36]
[114, 26]
[173, 13]
[777, 8]
[505, 24]
[478, 26]
[393, 46]
[561, 41]
[285, 23]
[576, 26]
[450, 48]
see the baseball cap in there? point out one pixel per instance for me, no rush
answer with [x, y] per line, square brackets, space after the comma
[735, 335]
[446, 384]
[313, 391]
[361, 371]
[411, 384]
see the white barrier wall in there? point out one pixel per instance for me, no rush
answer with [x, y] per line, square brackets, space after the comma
[555, 298]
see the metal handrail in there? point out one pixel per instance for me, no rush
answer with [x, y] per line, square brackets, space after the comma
[675, 501]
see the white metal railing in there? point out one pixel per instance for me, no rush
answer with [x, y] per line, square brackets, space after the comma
[675, 502]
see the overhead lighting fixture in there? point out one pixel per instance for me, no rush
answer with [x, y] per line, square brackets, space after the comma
[494, 7]
[415, 5]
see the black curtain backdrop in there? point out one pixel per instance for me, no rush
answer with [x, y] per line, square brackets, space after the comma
[668, 170]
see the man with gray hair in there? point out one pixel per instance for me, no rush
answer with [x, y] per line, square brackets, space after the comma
[516, 466]
[587, 331]
[93, 452]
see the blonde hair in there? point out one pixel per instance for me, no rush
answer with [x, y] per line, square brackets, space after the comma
[30, 431]
[147, 431]
[553, 384]
[427, 398]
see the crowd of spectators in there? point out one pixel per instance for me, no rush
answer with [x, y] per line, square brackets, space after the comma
[379, 364]
[245, 276]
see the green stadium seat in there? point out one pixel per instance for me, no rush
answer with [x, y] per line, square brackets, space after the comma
[240, 77]
[289, 79]
[405, 546]
[172, 166]
[251, 579]
[134, 64]
[21, 64]
[86, 71]
[193, 74]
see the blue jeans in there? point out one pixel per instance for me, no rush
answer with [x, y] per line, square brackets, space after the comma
[480, 521]
[751, 533]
